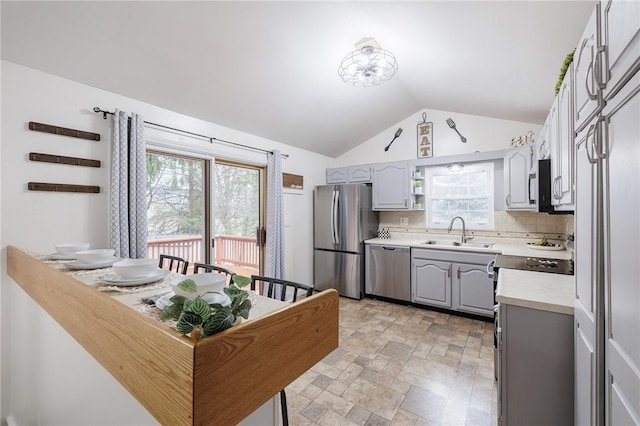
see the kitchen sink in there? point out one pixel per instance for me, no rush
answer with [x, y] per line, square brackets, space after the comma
[441, 243]
[457, 244]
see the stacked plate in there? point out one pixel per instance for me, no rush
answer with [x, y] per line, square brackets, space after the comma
[68, 251]
[131, 272]
[93, 259]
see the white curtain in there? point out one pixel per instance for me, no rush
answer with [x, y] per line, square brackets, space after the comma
[128, 187]
[274, 247]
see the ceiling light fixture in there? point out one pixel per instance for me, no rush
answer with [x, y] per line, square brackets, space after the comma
[370, 65]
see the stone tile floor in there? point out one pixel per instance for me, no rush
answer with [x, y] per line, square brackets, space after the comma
[400, 365]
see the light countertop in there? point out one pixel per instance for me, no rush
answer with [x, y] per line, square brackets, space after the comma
[511, 246]
[536, 290]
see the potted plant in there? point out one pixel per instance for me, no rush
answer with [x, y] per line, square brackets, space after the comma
[418, 188]
[210, 313]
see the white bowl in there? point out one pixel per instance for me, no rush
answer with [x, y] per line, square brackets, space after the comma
[71, 248]
[208, 282]
[135, 268]
[95, 256]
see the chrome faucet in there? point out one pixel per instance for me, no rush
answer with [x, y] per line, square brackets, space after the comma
[464, 231]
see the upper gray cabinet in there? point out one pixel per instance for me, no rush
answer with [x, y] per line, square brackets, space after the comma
[562, 138]
[587, 98]
[390, 184]
[360, 174]
[621, 45]
[351, 174]
[519, 195]
[337, 175]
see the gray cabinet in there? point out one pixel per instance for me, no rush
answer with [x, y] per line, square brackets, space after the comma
[586, 251]
[359, 174]
[562, 154]
[452, 280]
[587, 99]
[517, 179]
[431, 281]
[390, 185]
[621, 44]
[351, 174]
[474, 288]
[337, 175]
[620, 153]
[535, 367]
[607, 319]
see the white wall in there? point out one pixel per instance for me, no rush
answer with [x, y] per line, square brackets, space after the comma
[52, 380]
[482, 133]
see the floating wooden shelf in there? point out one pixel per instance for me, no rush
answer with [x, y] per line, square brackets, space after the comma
[62, 187]
[64, 131]
[218, 380]
[59, 159]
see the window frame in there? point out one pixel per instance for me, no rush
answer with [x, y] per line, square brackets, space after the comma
[487, 166]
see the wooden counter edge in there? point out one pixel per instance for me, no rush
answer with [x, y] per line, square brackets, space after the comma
[142, 354]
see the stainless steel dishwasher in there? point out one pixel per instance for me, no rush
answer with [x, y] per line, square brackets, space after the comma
[388, 272]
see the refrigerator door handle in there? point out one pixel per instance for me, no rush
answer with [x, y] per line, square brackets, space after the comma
[334, 208]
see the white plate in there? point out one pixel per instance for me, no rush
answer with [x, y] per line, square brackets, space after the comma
[82, 265]
[62, 256]
[552, 247]
[127, 282]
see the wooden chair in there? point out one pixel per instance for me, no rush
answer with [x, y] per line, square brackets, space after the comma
[212, 268]
[176, 263]
[277, 289]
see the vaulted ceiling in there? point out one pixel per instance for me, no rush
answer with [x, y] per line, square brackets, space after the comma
[270, 68]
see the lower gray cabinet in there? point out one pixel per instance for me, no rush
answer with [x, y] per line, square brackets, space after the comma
[431, 282]
[535, 367]
[474, 288]
[452, 280]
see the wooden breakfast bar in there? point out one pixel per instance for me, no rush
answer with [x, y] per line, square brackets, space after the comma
[218, 380]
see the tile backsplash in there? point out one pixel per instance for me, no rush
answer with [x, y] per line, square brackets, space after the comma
[508, 223]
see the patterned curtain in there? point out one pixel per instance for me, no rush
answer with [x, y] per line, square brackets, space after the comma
[274, 247]
[128, 187]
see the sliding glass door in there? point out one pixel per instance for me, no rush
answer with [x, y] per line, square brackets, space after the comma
[238, 205]
[178, 213]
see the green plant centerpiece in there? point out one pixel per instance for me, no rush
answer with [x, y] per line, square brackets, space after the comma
[210, 313]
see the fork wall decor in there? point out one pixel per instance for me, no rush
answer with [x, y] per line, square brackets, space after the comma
[425, 137]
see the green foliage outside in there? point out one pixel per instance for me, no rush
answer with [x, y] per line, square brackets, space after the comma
[175, 197]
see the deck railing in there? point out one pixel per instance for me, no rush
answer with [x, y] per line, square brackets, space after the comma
[187, 247]
[241, 251]
[230, 249]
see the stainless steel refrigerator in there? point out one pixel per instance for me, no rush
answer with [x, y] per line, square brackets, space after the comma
[342, 220]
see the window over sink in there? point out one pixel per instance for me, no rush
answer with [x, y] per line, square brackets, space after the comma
[460, 191]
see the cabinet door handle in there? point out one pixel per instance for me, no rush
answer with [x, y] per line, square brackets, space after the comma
[591, 95]
[600, 153]
[449, 271]
[507, 200]
[458, 273]
[586, 144]
[596, 68]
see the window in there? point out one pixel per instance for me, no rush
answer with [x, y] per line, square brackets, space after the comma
[467, 193]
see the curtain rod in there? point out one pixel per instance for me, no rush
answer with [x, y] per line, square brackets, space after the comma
[211, 139]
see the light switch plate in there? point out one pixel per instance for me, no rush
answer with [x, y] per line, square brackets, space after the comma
[404, 221]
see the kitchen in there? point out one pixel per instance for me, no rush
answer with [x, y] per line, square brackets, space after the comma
[29, 94]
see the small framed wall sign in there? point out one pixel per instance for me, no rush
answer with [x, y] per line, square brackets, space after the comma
[425, 137]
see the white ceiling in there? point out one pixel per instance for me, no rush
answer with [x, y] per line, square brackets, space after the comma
[270, 68]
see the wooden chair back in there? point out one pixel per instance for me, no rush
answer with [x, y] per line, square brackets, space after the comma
[173, 263]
